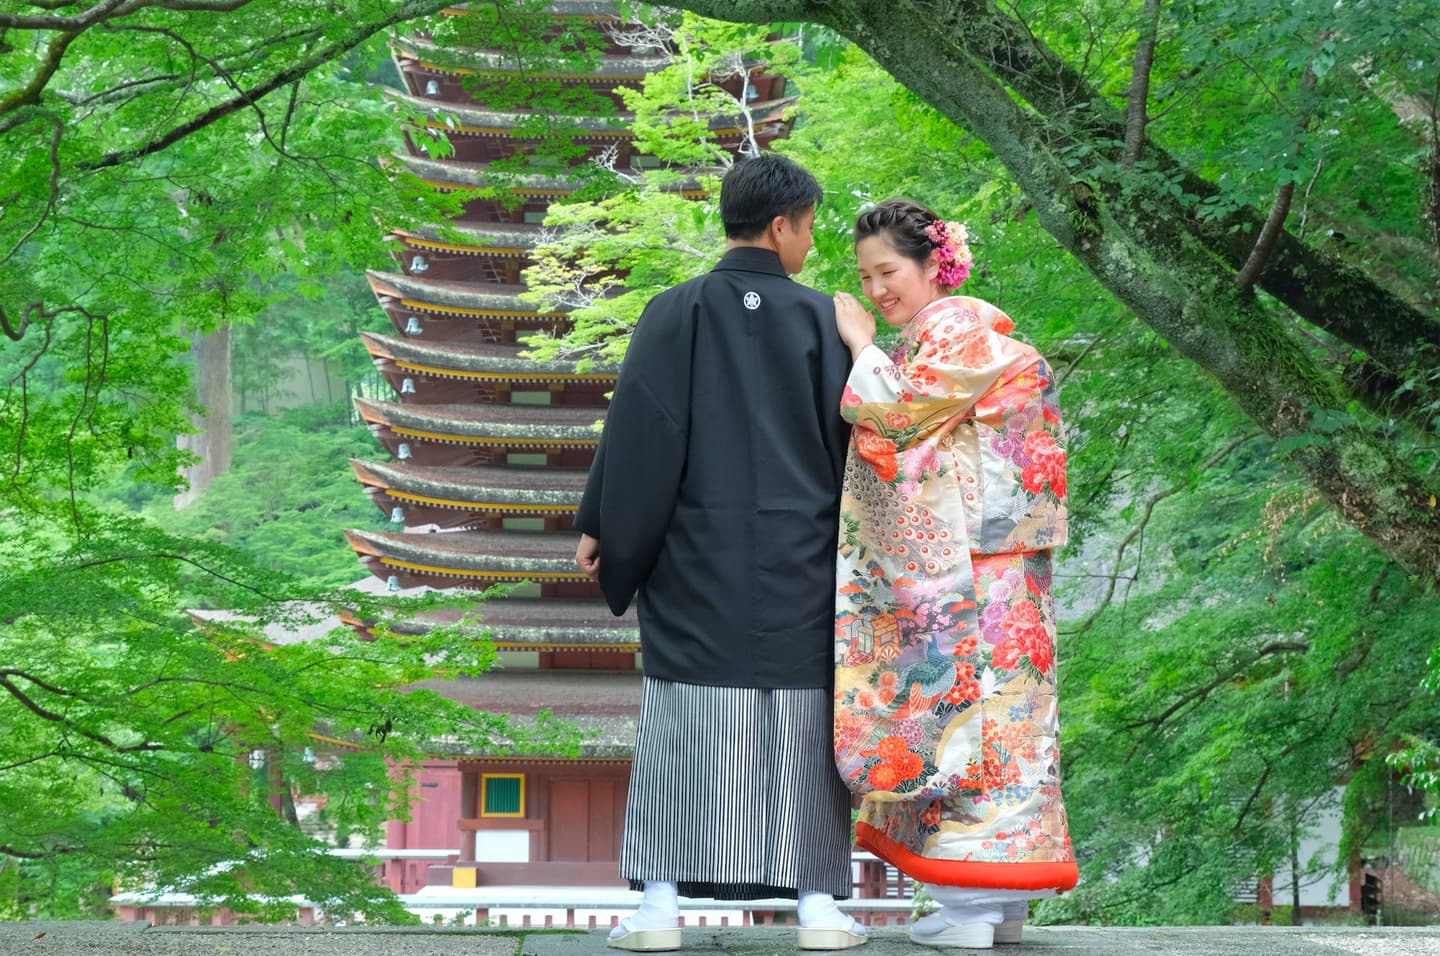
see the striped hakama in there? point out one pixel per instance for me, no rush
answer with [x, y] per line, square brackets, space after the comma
[734, 794]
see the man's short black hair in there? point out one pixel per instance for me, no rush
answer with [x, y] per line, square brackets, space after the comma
[759, 188]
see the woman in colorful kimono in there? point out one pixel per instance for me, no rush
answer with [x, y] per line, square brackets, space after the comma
[954, 496]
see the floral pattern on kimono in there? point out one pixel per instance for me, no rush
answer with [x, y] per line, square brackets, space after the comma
[945, 715]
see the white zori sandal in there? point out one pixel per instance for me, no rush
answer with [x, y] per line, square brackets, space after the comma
[1013, 927]
[655, 926]
[643, 940]
[824, 927]
[813, 938]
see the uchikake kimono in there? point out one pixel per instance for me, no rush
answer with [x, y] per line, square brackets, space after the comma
[945, 709]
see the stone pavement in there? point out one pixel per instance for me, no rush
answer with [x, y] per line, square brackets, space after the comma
[138, 939]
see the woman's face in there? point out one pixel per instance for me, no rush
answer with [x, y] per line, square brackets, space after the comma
[895, 284]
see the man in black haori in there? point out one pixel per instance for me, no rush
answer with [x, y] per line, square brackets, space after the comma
[715, 495]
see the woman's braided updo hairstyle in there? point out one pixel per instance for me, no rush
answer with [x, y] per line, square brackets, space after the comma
[903, 222]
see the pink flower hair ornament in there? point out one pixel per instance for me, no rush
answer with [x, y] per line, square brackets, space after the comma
[952, 252]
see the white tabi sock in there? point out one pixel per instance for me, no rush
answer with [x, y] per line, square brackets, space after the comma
[817, 910]
[959, 907]
[659, 909]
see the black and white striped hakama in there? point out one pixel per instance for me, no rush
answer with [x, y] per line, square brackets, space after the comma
[734, 794]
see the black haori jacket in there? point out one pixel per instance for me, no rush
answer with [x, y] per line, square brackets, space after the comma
[715, 490]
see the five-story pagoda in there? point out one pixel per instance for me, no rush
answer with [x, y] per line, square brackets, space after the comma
[489, 452]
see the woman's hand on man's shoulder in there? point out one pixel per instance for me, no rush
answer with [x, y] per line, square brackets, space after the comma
[855, 323]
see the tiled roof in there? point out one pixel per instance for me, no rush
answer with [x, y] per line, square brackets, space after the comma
[444, 115]
[490, 360]
[563, 423]
[400, 285]
[617, 65]
[560, 8]
[535, 622]
[565, 693]
[605, 706]
[497, 484]
[472, 175]
[474, 115]
[508, 235]
[455, 298]
[507, 555]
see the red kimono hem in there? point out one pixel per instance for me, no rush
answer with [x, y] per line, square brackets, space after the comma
[968, 873]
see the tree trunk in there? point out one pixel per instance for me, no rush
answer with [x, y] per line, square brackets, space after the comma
[213, 441]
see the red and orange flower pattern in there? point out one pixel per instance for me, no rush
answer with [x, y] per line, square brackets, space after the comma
[945, 716]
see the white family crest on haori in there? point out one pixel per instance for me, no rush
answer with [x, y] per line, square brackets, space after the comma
[752, 301]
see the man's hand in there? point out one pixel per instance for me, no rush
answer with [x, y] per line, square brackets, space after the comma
[587, 556]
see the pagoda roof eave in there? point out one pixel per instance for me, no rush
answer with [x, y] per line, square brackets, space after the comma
[529, 624]
[472, 242]
[605, 739]
[481, 118]
[491, 555]
[476, 121]
[587, 9]
[475, 486]
[430, 56]
[541, 425]
[461, 299]
[516, 236]
[452, 175]
[604, 705]
[496, 362]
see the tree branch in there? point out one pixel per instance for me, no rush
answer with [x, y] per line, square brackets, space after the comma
[1137, 103]
[52, 186]
[1321, 289]
[1254, 795]
[1139, 529]
[29, 760]
[219, 71]
[44, 685]
[1199, 695]
[1280, 209]
[69, 724]
[29, 94]
[19, 854]
[248, 97]
[1269, 236]
[165, 556]
[112, 10]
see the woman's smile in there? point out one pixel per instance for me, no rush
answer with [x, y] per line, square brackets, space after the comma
[895, 284]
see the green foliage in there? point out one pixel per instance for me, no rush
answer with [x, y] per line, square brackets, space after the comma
[318, 321]
[604, 258]
[1230, 101]
[1260, 655]
[132, 727]
[1231, 651]
[287, 496]
[538, 50]
[652, 235]
[676, 106]
[1419, 761]
[178, 170]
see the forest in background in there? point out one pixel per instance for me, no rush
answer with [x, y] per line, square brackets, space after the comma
[1233, 646]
